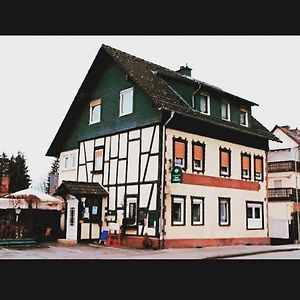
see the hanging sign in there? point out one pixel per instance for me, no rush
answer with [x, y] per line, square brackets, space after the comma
[176, 175]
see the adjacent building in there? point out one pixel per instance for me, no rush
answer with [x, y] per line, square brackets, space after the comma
[283, 187]
[173, 157]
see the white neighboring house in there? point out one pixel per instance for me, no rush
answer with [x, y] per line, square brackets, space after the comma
[284, 180]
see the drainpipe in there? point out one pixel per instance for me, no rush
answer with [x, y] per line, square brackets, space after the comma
[193, 96]
[162, 187]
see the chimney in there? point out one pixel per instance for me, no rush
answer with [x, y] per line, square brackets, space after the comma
[4, 185]
[185, 71]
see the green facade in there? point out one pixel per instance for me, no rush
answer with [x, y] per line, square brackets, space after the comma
[108, 87]
[186, 91]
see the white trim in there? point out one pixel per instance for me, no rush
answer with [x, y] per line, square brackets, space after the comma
[91, 109]
[179, 200]
[200, 203]
[208, 104]
[246, 118]
[255, 223]
[228, 110]
[120, 102]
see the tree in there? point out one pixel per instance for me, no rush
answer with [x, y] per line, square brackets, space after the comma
[18, 173]
[4, 165]
[52, 176]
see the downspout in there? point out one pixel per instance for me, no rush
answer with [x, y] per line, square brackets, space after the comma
[162, 186]
[193, 96]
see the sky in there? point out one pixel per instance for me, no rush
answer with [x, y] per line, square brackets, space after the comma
[40, 76]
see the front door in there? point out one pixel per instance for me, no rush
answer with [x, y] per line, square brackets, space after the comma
[72, 219]
[90, 218]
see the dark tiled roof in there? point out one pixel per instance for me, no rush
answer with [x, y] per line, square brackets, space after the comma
[146, 75]
[149, 77]
[80, 188]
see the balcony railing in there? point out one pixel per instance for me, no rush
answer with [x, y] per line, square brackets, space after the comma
[283, 194]
[283, 166]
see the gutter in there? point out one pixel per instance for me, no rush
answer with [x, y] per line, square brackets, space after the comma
[193, 96]
[162, 186]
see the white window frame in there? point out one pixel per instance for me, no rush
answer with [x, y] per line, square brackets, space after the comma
[102, 162]
[253, 222]
[228, 110]
[181, 201]
[121, 113]
[91, 113]
[196, 168]
[246, 117]
[200, 202]
[207, 103]
[227, 211]
[70, 158]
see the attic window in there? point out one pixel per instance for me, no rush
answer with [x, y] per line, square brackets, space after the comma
[243, 117]
[126, 102]
[205, 104]
[95, 111]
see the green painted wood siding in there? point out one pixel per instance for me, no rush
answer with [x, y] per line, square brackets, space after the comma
[111, 82]
[186, 91]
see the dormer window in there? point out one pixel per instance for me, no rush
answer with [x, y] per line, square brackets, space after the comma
[204, 104]
[95, 111]
[243, 117]
[225, 110]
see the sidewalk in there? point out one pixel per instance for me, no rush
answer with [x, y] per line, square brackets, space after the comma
[99, 252]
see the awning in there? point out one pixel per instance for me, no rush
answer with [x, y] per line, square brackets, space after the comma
[78, 188]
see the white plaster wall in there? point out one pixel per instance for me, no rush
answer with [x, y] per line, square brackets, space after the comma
[287, 142]
[281, 155]
[67, 174]
[211, 228]
[288, 179]
[114, 145]
[89, 148]
[133, 161]
[280, 210]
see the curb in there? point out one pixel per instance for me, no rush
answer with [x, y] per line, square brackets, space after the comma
[251, 253]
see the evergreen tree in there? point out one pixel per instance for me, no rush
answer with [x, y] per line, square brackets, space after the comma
[18, 173]
[4, 165]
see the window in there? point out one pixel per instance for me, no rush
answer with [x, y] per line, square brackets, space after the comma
[178, 210]
[126, 102]
[197, 211]
[98, 160]
[246, 165]
[72, 216]
[225, 110]
[95, 111]
[69, 161]
[258, 168]
[225, 161]
[204, 104]
[224, 211]
[131, 210]
[179, 151]
[254, 215]
[243, 117]
[198, 156]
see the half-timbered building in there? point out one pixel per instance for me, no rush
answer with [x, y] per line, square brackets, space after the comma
[176, 158]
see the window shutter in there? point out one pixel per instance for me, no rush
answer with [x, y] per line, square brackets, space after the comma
[198, 152]
[246, 163]
[258, 165]
[179, 149]
[95, 102]
[224, 159]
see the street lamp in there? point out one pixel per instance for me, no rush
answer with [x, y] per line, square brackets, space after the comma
[297, 209]
[18, 211]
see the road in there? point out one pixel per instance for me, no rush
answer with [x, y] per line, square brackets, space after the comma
[295, 254]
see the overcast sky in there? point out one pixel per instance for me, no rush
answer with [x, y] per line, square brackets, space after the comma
[40, 76]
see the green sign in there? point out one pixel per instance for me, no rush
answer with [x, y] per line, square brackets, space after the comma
[176, 174]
